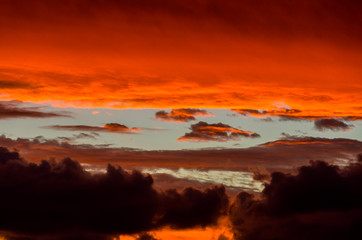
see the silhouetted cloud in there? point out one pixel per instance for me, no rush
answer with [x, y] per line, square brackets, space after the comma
[182, 115]
[321, 202]
[109, 127]
[13, 109]
[331, 124]
[63, 201]
[203, 131]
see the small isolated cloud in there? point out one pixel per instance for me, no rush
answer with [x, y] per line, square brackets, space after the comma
[109, 127]
[331, 124]
[220, 132]
[77, 137]
[182, 115]
[13, 109]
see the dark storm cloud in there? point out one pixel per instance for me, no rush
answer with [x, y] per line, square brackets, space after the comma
[220, 132]
[331, 124]
[13, 109]
[321, 202]
[60, 200]
[182, 115]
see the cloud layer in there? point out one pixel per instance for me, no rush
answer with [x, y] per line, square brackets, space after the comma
[283, 154]
[285, 114]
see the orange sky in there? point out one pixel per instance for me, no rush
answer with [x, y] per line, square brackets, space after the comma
[161, 57]
[271, 56]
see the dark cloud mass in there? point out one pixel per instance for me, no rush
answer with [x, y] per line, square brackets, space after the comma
[321, 202]
[203, 131]
[182, 115]
[59, 200]
[12, 109]
[331, 124]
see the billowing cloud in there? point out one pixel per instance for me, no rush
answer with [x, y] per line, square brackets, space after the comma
[203, 131]
[331, 124]
[182, 115]
[109, 127]
[60, 199]
[13, 109]
[321, 202]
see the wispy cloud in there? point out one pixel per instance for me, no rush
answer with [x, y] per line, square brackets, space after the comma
[109, 127]
[14, 109]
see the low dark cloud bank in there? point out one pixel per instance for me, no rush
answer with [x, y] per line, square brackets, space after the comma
[321, 202]
[59, 200]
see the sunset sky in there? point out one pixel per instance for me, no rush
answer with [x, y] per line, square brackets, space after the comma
[208, 112]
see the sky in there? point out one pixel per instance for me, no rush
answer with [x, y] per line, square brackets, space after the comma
[180, 119]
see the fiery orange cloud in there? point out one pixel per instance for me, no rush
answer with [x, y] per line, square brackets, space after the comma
[203, 131]
[216, 54]
[182, 115]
